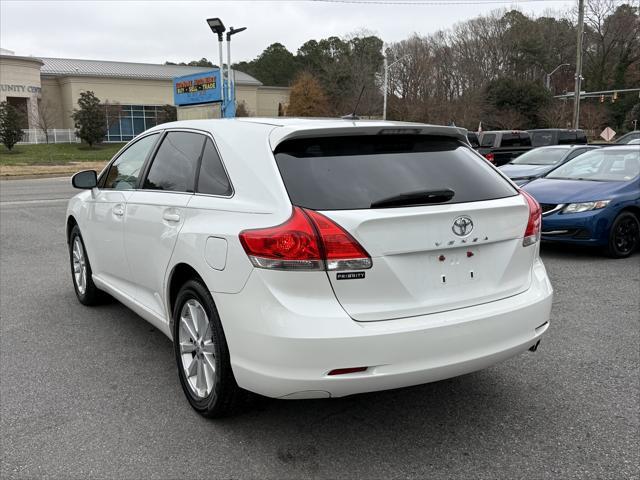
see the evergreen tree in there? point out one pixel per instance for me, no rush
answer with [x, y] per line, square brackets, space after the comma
[11, 120]
[90, 119]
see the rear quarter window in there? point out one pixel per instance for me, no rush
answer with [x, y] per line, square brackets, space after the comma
[515, 139]
[541, 139]
[567, 138]
[353, 172]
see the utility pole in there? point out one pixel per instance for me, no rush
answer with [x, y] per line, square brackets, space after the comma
[386, 66]
[578, 85]
[385, 87]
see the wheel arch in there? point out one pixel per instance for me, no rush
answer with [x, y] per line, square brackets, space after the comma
[633, 209]
[180, 273]
[71, 222]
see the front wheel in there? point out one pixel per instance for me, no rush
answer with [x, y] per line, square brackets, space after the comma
[86, 290]
[202, 354]
[624, 236]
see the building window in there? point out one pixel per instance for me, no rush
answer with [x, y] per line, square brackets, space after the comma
[21, 105]
[126, 121]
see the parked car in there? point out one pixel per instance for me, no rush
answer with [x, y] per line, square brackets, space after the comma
[473, 139]
[628, 137]
[557, 136]
[502, 146]
[312, 258]
[593, 200]
[538, 162]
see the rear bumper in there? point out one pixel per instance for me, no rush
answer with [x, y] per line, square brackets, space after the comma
[283, 345]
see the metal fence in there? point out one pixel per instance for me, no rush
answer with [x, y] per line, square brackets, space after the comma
[56, 135]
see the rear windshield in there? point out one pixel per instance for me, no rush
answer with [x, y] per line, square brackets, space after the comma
[354, 172]
[487, 139]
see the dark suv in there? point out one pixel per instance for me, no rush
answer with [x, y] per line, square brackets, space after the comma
[557, 136]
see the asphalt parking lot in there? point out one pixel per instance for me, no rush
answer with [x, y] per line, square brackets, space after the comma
[94, 393]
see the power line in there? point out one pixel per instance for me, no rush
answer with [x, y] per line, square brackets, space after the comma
[436, 2]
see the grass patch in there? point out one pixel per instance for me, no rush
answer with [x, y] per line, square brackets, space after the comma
[57, 154]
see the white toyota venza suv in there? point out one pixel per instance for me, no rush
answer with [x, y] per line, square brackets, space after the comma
[312, 258]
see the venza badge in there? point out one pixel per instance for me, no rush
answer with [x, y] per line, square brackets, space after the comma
[462, 226]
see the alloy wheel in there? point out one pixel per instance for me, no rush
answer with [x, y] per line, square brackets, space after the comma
[626, 235]
[79, 266]
[197, 350]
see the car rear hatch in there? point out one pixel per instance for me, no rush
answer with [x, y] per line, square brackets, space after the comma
[444, 230]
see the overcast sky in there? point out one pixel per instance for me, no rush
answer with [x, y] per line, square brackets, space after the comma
[156, 31]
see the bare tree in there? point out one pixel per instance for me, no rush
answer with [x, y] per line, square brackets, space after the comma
[556, 114]
[508, 120]
[43, 118]
[593, 118]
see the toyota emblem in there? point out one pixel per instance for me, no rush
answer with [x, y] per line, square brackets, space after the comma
[462, 226]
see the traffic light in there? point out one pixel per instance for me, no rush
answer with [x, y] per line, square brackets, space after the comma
[601, 98]
[614, 97]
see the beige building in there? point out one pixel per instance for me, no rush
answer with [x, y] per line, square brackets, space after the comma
[47, 89]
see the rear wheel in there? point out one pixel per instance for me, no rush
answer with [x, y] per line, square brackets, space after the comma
[86, 290]
[202, 354]
[624, 236]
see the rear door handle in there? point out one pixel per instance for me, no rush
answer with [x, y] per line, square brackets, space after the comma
[171, 217]
[118, 209]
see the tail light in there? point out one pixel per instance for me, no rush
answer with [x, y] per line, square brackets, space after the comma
[534, 224]
[307, 241]
[491, 157]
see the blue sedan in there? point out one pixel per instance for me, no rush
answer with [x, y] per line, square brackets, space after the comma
[593, 200]
[538, 162]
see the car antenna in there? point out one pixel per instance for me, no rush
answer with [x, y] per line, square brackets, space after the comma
[353, 116]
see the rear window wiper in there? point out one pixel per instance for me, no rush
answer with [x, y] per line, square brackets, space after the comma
[415, 198]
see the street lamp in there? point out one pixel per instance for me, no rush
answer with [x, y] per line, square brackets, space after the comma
[547, 82]
[386, 67]
[217, 27]
[232, 31]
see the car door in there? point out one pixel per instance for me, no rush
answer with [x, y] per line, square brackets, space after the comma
[104, 231]
[156, 213]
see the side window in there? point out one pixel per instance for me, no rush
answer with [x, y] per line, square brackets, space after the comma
[576, 152]
[540, 139]
[487, 140]
[174, 166]
[125, 170]
[213, 179]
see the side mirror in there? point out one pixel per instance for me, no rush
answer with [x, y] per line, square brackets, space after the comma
[87, 179]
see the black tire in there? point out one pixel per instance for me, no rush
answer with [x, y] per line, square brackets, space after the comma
[91, 295]
[225, 397]
[624, 236]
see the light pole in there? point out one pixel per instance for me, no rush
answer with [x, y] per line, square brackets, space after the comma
[217, 27]
[547, 82]
[386, 65]
[231, 97]
[578, 86]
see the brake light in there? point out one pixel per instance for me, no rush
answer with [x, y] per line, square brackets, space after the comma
[534, 224]
[307, 241]
[341, 250]
[490, 156]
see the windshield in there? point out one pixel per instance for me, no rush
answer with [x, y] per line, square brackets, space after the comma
[603, 165]
[541, 156]
[385, 171]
